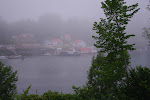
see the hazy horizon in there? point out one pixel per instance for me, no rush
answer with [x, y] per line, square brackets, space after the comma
[14, 10]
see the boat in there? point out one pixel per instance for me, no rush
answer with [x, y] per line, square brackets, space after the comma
[15, 56]
[3, 57]
[47, 54]
[69, 54]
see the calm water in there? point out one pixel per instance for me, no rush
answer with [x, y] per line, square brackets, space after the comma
[59, 73]
[54, 73]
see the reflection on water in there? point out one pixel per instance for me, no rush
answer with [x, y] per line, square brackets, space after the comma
[59, 73]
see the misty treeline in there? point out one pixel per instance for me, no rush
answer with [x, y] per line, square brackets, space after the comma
[50, 26]
[146, 32]
[46, 27]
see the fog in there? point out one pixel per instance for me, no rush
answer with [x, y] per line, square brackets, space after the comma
[52, 18]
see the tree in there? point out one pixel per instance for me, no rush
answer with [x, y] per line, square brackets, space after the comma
[8, 78]
[111, 64]
[146, 32]
[137, 84]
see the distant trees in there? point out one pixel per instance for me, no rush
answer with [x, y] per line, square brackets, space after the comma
[8, 80]
[46, 27]
[146, 32]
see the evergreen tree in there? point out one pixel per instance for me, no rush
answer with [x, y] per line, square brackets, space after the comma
[111, 64]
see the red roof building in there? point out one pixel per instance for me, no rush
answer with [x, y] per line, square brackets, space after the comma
[85, 50]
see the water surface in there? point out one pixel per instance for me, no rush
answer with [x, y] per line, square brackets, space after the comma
[59, 73]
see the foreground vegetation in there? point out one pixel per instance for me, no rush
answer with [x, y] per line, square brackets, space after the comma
[109, 77]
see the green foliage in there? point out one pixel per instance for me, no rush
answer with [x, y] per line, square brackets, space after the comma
[103, 80]
[111, 36]
[57, 96]
[83, 93]
[107, 72]
[25, 95]
[46, 96]
[26, 91]
[137, 84]
[8, 80]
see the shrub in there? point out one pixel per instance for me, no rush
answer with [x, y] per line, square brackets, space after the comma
[8, 80]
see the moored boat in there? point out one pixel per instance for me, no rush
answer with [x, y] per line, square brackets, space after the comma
[3, 57]
[69, 53]
[15, 57]
[47, 54]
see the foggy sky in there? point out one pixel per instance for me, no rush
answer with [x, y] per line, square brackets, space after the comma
[13, 10]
